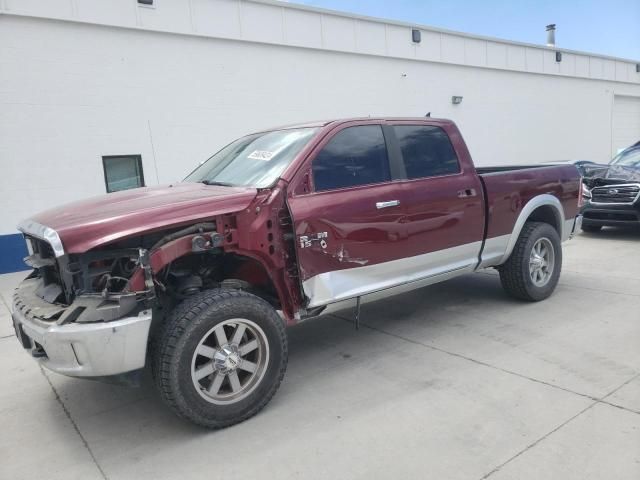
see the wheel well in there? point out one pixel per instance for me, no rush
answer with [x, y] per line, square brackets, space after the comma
[251, 271]
[196, 272]
[547, 214]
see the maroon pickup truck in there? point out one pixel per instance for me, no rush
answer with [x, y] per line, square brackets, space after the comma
[199, 279]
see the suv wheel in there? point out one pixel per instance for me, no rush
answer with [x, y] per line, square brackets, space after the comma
[220, 357]
[532, 271]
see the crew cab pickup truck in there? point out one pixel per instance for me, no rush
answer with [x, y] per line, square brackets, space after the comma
[200, 278]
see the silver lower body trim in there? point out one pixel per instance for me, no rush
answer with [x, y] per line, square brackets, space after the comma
[390, 292]
[338, 289]
[577, 225]
[569, 227]
[494, 250]
[339, 285]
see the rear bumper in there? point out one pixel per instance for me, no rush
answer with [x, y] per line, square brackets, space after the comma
[611, 215]
[85, 350]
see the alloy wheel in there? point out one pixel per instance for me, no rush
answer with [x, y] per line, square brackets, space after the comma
[230, 361]
[541, 262]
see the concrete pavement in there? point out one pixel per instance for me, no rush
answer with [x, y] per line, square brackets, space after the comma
[453, 381]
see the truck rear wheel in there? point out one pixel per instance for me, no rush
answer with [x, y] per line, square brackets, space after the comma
[532, 271]
[220, 357]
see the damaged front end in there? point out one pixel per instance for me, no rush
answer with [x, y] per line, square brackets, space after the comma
[75, 312]
[613, 196]
[100, 282]
[87, 288]
[600, 175]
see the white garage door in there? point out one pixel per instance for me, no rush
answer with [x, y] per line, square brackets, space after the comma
[626, 122]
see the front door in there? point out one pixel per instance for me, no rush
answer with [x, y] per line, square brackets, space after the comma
[350, 229]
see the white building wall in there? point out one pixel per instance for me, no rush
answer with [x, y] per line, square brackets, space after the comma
[80, 79]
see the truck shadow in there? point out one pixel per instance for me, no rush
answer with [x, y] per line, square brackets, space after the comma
[122, 417]
[615, 233]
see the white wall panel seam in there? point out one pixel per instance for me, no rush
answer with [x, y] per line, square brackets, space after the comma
[633, 81]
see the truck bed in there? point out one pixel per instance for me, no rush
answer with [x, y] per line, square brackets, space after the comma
[509, 190]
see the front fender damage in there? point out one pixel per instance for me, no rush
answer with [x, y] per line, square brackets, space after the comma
[259, 236]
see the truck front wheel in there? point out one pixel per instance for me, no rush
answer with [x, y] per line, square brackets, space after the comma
[532, 271]
[220, 357]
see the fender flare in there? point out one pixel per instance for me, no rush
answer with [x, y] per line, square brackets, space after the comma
[527, 210]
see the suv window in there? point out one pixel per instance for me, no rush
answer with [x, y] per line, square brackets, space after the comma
[426, 151]
[628, 158]
[355, 156]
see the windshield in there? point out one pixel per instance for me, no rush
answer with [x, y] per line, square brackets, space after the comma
[628, 158]
[255, 160]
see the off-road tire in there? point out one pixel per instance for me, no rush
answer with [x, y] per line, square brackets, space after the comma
[591, 228]
[514, 273]
[177, 340]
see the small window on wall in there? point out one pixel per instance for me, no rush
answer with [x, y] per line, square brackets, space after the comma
[122, 172]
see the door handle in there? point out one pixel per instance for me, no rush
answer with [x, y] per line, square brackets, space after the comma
[469, 192]
[387, 204]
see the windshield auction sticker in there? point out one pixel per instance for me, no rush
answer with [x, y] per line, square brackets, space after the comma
[264, 155]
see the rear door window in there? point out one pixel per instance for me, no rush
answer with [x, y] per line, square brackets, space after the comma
[354, 156]
[426, 151]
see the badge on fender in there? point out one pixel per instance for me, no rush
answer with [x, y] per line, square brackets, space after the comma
[307, 241]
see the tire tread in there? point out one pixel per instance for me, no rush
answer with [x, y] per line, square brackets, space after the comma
[187, 313]
[512, 273]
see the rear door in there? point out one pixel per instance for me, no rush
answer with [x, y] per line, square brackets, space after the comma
[350, 227]
[442, 195]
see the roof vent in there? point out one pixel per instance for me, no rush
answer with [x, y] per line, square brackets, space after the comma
[551, 35]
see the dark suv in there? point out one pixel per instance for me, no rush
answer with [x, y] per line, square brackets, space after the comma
[612, 192]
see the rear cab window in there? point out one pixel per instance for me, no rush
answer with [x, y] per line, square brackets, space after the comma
[354, 156]
[426, 151]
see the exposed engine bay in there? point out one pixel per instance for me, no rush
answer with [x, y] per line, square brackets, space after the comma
[96, 286]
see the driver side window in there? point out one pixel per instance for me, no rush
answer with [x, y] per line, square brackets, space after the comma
[354, 156]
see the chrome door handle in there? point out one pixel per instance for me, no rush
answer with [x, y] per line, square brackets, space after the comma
[387, 204]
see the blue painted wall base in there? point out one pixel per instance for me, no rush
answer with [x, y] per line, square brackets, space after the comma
[12, 250]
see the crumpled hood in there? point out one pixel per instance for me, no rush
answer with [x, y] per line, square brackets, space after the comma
[595, 175]
[96, 221]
